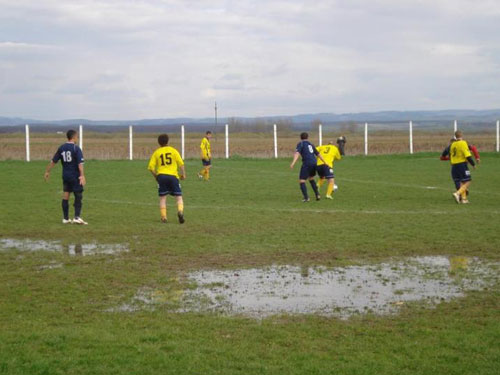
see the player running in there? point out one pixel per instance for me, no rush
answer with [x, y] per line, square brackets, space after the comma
[330, 153]
[206, 156]
[164, 165]
[459, 156]
[308, 169]
[73, 176]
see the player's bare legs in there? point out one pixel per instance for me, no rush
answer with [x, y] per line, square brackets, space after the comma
[180, 208]
[163, 208]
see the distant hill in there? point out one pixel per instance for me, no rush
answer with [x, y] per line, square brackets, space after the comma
[480, 116]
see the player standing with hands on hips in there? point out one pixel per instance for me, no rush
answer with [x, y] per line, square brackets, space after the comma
[71, 157]
[308, 169]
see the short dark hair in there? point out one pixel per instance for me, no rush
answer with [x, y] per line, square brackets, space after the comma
[208, 132]
[304, 135]
[163, 139]
[70, 134]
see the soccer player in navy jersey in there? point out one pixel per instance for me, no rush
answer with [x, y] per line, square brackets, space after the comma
[71, 157]
[308, 170]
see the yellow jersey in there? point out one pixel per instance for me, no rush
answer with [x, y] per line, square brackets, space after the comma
[166, 160]
[459, 152]
[330, 153]
[205, 149]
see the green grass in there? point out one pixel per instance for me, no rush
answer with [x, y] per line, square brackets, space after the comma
[250, 214]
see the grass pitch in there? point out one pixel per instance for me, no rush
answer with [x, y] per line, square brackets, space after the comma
[55, 321]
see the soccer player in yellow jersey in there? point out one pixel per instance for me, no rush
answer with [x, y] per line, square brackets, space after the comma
[459, 156]
[206, 156]
[164, 164]
[330, 153]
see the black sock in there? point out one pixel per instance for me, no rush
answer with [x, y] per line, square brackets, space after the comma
[65, 208]
[78, 204]
[314, 186]
[304, 190]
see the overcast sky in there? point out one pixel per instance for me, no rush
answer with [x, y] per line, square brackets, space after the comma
[129, 59]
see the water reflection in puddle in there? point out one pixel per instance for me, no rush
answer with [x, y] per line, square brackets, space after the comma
[340, 291]
[56, 246]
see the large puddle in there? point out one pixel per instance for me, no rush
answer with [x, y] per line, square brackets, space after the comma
[340, 291]
[56, 246]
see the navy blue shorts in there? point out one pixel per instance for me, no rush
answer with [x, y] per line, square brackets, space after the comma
[72, 185]
[460, 172]
[206, 162]
[324, 171]
[168, 185]
[307, 171]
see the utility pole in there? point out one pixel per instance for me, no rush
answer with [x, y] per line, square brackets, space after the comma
[215, 129]
[215, 114]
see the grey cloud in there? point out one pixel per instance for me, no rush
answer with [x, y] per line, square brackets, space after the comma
[124, 59]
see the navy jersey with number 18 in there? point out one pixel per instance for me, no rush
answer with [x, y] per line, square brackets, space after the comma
[71, 156]
[308, 152]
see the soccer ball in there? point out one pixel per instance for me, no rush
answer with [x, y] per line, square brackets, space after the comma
[335, 187]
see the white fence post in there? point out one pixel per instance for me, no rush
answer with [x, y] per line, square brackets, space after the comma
[182, 141]
[455, 125]
[498, 135]
[411, 137]
[27, 130]
[275, 142]
[80, 137]
[227, 141]
[130, 143]
[320, 132]
[366, 138]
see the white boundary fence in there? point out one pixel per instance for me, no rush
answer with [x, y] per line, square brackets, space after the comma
[275, 137]
[80, 136]
[227, 141]
[411, 137]
[366, 138]
[498, 135]
[27, 131]
[183, 142]
[131, 143]
[275, 131]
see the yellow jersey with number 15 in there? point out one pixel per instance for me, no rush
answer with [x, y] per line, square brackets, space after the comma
[459, 152]
[165, 160]
[330, 153]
